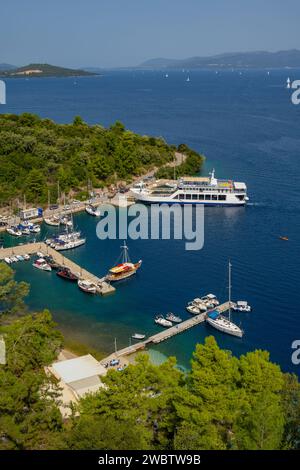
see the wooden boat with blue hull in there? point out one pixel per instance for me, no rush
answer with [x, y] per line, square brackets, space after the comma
[124, 269]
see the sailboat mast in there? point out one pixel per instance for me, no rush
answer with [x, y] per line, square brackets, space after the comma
[229, 289]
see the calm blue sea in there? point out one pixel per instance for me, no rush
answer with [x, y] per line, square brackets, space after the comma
[249, 131]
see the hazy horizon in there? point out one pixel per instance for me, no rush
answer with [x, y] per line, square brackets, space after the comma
[113, 33]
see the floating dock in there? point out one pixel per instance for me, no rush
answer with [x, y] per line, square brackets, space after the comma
[103, 286]
[166, 333]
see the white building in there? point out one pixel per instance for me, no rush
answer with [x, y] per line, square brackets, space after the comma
[81, 374]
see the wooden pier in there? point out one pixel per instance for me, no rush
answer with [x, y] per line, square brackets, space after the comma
[103, 287]
[166, 333]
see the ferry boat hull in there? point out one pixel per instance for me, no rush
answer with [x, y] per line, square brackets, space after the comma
[147, 198]
[207, 191]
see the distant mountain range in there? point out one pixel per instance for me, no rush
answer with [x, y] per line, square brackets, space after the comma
[258, 59]
[4, 67]
[42, 70]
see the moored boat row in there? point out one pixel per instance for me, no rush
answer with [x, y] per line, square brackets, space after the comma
[16, 258]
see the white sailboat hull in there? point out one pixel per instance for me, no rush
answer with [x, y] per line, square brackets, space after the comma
[225, 326]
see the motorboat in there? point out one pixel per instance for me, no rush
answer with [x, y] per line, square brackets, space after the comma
[87, 286]
[12, 230]
[40, 263]
[241, 306]
[26, 257]
[7, 260]
[20, 257]
[160, 320]
[193, 309]
[52, 262]
[210, 299]
[91, 210]
[67, 274]
[34, 228]
[173, 318]
[138, 336]
[53, 221]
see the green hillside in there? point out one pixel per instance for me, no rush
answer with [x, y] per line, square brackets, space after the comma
[44, 70]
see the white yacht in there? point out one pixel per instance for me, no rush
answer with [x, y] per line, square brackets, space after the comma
[54, 221]
[241, 306]
[209, 191]
[91, 210]
[68, 245]
[42, 264]
[221, 323]
[160, 320]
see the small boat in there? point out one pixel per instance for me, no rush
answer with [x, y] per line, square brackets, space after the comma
[24, 229]
[160, 320]
[66, 273]
[91, 210]
[53, 221]
[188, 79]
[66, 221]
[193, 309]
[173, 318]
[34, 228]
[284, 238]
[40, 254]
[7, 260]
[125, 269]
[14, 259]
[20, 257]
[138, 336]
[241, 306]
[40, 263]
[26, 257]
[14, 231]
[196, 306]
[288, 83]
[87, 286]
[210, 299]
[52, 263]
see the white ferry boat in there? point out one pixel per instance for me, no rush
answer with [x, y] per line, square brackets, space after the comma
[209, 191]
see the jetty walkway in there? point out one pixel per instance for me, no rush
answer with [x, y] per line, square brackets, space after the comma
[103, 287]
[166, 333]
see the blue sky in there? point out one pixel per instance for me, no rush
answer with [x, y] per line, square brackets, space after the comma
[119, 33]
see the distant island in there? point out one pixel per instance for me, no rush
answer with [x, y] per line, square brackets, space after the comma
[42, 70]
[258, 59]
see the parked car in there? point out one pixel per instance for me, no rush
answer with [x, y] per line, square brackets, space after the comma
[53, 207]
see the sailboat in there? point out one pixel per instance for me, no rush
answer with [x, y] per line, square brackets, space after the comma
[221, 323]
[125, 269]
[52, 220]
[288, 82]
[188, 79]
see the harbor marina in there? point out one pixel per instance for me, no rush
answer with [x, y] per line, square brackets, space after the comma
[103, 287]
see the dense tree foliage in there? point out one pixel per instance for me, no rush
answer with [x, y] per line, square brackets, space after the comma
[223, 402]
[36, 154]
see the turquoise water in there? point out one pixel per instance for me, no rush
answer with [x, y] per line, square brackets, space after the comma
[249, 131]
